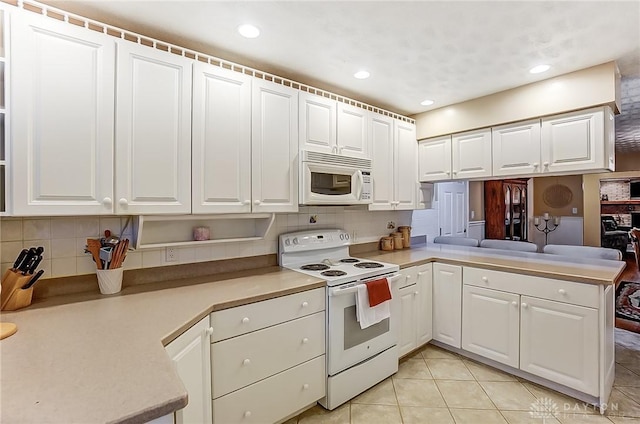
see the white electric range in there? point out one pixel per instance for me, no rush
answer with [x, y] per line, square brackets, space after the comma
[357, 358]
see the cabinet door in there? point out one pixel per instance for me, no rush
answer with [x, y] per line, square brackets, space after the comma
[352, 135]
[407, 297]
[405, 165]
[447, 303]
[559, 342]
[424, 305]
[190, 354]
[516, 148]
[471, 154]
[153, 131]
[574, 142]
[434, 159]
[221, 140]
[491, 324]
[62, 118]
[317, 123]
[274, 144]
[382, 146]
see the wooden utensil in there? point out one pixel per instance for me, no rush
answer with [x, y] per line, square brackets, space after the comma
[119, 254]
[93, 246]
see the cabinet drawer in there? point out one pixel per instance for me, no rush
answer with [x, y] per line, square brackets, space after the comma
[582, 294]
[243, 319]
[274, 398]
[245, 359]
[410, 277]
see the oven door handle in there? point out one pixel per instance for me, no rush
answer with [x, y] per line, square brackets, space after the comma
[337, 291]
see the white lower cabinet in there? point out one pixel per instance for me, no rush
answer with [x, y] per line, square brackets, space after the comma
[544, 327]
[190, 353]
[559, 342]
[447, 304]
[413, 303]
[268, 362]
[491, 324]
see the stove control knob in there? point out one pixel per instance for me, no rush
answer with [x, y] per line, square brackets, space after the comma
[295, 240]
[287, 242]
[346, 236]
[341, 236]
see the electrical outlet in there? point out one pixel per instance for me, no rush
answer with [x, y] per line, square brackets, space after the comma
[473, 214]
[171, 254]
[574, 211]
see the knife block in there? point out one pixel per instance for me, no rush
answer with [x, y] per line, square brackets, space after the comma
[13, 296]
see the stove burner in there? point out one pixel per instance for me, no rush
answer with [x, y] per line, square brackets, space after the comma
[368, 265]
[349, 260]
[314, 267]
[333, 273]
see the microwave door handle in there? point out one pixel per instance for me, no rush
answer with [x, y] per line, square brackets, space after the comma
[360, 184]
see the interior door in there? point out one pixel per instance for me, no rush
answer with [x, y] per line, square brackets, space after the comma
[452, 208]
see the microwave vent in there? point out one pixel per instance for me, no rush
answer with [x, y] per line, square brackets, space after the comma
[327, 158]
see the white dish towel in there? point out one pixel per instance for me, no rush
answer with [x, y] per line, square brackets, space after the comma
[367, 315]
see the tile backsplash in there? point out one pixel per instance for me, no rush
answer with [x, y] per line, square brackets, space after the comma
[615, 190]
[64, 238]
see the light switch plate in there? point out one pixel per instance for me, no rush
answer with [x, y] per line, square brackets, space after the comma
[574, 211]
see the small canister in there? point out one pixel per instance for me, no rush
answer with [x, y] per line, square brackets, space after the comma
[406, 235]
[386, 243]
[398, 242]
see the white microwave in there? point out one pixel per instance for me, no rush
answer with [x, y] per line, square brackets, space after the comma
[327, 179]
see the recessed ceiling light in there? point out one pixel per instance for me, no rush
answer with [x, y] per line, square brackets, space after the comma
[362, 75]
[426, 102]
[540, 68]
[248, 31]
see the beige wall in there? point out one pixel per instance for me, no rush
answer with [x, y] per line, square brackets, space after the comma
[591, 190]
[627, 162]
[573, 182]
[598, 85]
[476, 200]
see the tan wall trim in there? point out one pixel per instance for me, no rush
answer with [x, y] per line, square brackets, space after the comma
[595, 86]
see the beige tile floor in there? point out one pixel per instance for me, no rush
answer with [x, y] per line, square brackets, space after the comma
[434, 386]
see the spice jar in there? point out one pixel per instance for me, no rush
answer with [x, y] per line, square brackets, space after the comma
[398, 242]
[406, 235]
[386, 243]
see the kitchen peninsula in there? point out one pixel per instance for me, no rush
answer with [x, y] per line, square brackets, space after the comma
[103, 360]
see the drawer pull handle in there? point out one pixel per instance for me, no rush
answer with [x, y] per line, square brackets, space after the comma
[485, 279]
[416, 293]
[245, 320]
[514, 303]
[305, 340]
[305, 304]
[562, 291]
[305, 386]
[247, 414]
[209, 331]
[246, 361]
[524, 305]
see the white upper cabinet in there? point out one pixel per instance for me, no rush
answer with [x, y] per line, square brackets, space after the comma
[353, 133]
[329, 126]
[382, 175]
[434, 159]
[516, 148]
[471, 154]
[62, 91]
[221, 140]
[317, 123]
[578, 141]
[153, 131]
[393, 151]
[274, 147]
[405, 165]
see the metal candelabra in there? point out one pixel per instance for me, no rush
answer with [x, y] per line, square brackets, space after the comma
[546, 230]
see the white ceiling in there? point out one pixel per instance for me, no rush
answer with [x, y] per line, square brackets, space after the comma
[447, 51]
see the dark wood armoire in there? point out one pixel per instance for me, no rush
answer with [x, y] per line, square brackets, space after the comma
[505, 209]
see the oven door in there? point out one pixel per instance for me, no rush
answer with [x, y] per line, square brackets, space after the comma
[334, 185]
[348, 343]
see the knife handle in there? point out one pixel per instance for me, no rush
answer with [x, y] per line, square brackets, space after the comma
[33, 280]
[20, 258]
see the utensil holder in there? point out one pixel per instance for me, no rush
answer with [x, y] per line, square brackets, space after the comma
[109, 280]
[13, 295]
